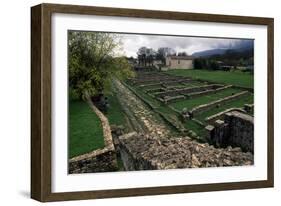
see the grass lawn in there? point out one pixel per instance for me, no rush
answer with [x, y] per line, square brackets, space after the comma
[115, 113]
[198, 129]
[235, 78]
[190, 103]
[85, 130]
[236, 103]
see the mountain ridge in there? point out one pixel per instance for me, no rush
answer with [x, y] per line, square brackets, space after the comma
[239, 47]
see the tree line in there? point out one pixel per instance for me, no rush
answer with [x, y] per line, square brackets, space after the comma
[146, 55]
[230, 58]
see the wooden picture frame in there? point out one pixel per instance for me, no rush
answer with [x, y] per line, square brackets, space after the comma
[41, 101]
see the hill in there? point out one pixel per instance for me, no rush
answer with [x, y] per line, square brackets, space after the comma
[241, 46]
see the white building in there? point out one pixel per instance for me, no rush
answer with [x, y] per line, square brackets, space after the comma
[179, 62]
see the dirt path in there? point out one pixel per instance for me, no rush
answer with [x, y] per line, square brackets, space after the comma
[142, 118]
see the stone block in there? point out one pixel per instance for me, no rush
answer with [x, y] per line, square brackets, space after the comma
[144, 152]
[219, 123]
[236, 130]
[209, 128]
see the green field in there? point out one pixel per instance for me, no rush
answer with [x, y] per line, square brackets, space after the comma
[190, 103]
[237, 78]
[85, 130]
[239, 103]
[115, 113]
[198, 129]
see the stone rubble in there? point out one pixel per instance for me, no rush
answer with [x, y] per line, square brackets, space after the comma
[148, 152]
[142, 114]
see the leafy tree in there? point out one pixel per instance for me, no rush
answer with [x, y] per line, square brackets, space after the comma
[197, 64]
[200, 63]
[235, 57]
[93, 61]
[213, 65]
[163, 52]
[146, 56]
[184, 54]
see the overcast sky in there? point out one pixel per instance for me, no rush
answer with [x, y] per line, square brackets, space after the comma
[132, 42]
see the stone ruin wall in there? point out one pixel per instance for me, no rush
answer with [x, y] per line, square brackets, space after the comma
[249, 108]
[212, 119]
[146, 81]
[187, 90]
[237, 129]
[202, 92]
[100, 160]
[201, 108]
[241, 130]
[208, 91]
[144, 152]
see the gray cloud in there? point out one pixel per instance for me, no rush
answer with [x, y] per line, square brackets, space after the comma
[132, 42]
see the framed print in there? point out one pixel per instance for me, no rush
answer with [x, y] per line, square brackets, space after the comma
[130, 102]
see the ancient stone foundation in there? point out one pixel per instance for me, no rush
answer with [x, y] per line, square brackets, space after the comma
[144, 152]
[103, 160]
[237, 129]
[211, 119]
[204, 107]
[249, 108]
[188, 90]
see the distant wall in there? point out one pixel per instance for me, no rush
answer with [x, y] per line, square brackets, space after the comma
[204, 107]
[237, 129]
[211, 119]
[249, 108]
[188, 90]
[241, 130]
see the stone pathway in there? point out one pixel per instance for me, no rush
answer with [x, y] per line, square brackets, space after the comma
[142, 118]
